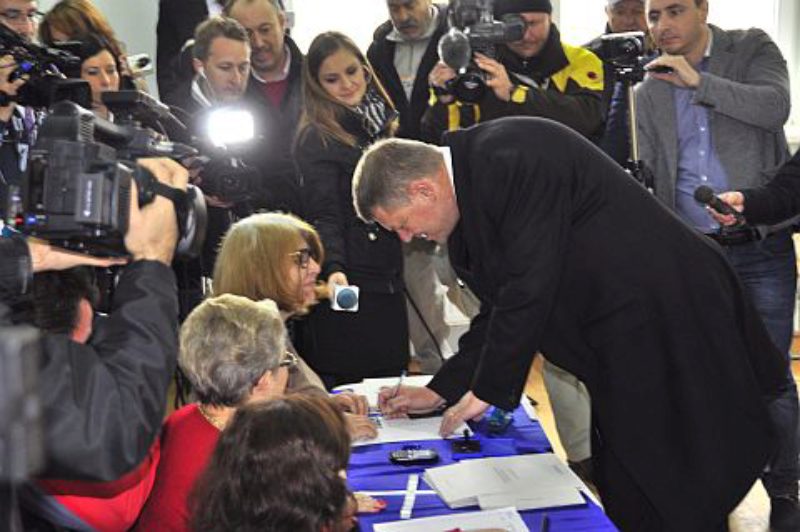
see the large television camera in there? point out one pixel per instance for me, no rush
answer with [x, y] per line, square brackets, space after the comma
[42, 68]
[77, 187]
[473, 28]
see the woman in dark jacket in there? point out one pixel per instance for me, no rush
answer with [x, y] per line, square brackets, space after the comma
[346, 110]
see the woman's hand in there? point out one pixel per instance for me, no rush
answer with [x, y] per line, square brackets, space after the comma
[351, 402]
[360, 427]
[336, 278]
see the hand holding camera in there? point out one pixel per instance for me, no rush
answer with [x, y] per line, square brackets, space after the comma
[496, 76]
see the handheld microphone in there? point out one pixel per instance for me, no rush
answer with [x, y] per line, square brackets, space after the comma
[706, 196]
[454, 49]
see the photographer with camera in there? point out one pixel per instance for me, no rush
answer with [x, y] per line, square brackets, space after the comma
[103, 402]
[18, 124]
[536, 75]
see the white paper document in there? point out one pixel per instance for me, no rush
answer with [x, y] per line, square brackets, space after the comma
[371, 387]
[404, 429]
[533, 480]
[507, 519]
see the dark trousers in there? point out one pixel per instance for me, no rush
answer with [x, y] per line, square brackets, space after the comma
[768, 271]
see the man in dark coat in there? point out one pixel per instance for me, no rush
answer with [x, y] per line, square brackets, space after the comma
[571, 257]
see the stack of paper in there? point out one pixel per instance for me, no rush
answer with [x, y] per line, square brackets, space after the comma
[507, 519]
[524, 482]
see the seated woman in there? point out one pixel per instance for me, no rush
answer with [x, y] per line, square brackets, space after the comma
[233, 351]
[346, 110]
[277, 256]
[280, 467]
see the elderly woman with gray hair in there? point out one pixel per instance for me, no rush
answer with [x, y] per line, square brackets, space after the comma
[233, 351]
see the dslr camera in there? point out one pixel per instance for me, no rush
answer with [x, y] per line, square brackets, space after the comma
[473, 28]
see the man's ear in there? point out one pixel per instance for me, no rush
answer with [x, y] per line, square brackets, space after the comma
[198, 65]
[422, 188]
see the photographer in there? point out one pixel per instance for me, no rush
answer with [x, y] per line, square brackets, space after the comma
[103, 402]
[18, 124]
[537, 75]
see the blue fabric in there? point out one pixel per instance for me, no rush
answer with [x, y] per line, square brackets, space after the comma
[370, 470]
[698, 163]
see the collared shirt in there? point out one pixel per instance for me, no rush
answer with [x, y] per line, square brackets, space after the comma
[448, 163]
[408, 53]
[214, 8]
[698, 163]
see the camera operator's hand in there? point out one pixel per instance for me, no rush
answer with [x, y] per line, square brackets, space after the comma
[735, 200]
[440, 75]
[153, 230]
[683, 74]
[497, 76]
[45, 257]
[7, 66]
[214, 201]
[336, 278]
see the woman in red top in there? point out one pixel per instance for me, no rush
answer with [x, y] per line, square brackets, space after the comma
[233, 352]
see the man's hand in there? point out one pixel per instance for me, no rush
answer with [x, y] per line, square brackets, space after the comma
[735, 200]
[408, 400]
[497, 76]
[360, 427]
[153, 229]
[45, 257]
[351, 402]
[7, 66]
[334, 279]
[439, 76]
[468, 408]
[683, 74]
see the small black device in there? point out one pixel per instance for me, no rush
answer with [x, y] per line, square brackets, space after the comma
[413, 456]
[465, 445]
[661, 69]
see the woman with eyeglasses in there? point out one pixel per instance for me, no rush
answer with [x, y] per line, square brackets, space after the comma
[279, 467]
[233, 351]
[277, 256]
[346, 110]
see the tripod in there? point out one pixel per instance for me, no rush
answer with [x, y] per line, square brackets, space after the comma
[629, 75]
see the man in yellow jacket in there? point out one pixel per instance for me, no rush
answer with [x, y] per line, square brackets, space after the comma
[537, 75]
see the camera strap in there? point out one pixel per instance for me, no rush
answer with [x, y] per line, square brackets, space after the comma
[176, 196]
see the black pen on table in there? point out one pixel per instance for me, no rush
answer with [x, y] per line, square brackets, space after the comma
[545, 525]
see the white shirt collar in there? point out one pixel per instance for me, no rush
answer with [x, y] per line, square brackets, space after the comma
[214, 8]
[710, 41]
[448, 162]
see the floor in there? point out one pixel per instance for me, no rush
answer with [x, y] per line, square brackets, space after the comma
[752, 515]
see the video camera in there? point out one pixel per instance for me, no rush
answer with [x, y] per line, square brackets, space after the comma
[473, 28]
[42, 68]
[76, 192]
[625, 52]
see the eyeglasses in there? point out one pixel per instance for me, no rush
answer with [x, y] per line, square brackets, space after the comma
[15, 16]
[302, 257]
[289, 361]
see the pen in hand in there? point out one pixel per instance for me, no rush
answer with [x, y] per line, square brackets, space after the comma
[399, 383]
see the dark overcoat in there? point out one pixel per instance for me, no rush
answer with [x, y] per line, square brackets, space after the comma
[573, 258]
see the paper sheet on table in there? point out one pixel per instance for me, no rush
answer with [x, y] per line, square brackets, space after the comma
[371, 387]
[504, 519]
[461, 484]
[533, 498]
[403, 429]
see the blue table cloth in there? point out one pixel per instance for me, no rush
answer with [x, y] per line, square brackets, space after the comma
[370, 470]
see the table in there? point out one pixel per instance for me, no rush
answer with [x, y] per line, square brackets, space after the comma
[370, 470]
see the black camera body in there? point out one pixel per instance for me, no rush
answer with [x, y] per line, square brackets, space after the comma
[473, 28]
[625, 53]
[77, 190]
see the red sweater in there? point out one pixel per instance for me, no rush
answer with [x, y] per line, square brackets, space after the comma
[187, 442]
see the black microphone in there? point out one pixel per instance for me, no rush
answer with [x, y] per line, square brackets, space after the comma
[706, 196]
[454, 49]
